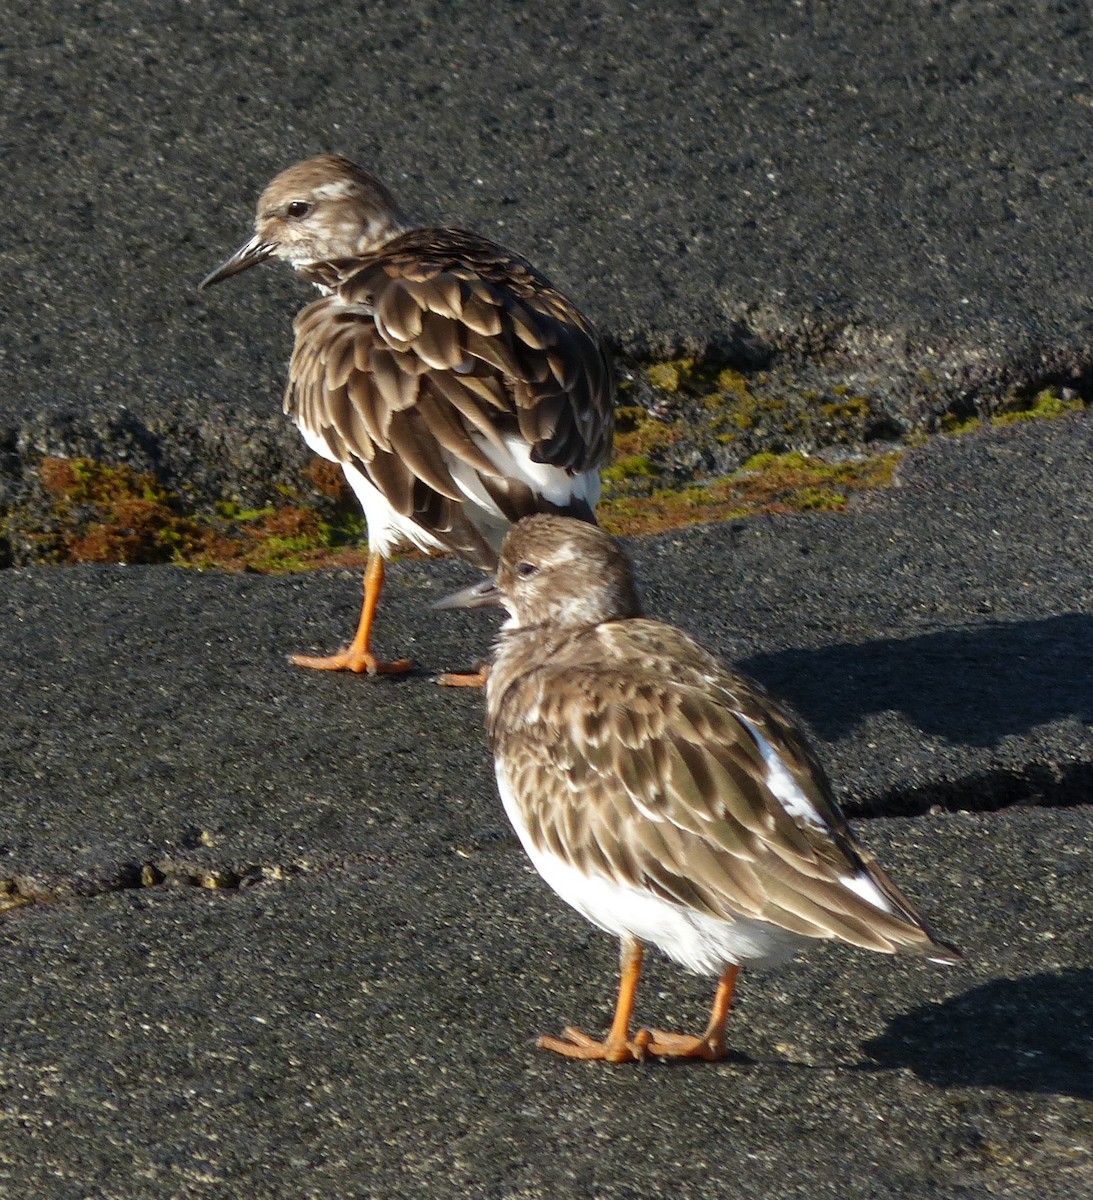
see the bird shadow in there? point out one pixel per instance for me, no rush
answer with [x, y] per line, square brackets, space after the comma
[970, 686]
[1033, 1034]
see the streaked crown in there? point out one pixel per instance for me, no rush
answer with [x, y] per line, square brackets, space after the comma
[566, 573]
[321, 210]
[326, 208]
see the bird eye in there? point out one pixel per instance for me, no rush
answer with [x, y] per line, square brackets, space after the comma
[298, 208]
[525, 570]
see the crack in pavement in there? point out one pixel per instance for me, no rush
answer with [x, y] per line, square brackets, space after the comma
[19, 891]
[1037, 786]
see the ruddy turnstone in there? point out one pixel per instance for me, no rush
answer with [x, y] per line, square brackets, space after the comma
[667, 798]
[456, 387]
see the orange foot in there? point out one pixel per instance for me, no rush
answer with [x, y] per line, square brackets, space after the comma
[360, 662]
[467, 679]
[575, 1044]
[685, 1045]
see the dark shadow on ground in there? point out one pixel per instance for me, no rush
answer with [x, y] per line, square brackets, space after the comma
[1027, 1035]
[970, 686]
[1036, 785]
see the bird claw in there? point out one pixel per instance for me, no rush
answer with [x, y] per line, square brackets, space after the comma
[463, 679]
[663, 1044]
[574, 1043]
[351, 660]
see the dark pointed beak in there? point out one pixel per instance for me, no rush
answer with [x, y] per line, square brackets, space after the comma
[250, 254]
[479, 595]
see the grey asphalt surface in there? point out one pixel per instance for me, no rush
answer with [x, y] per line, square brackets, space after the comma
[893, 198]
[280, 941]
[352, 1011]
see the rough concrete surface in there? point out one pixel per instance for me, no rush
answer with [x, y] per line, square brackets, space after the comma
[351, 1011]
[265, 933]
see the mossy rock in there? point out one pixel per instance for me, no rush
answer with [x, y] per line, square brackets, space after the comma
[96, 512]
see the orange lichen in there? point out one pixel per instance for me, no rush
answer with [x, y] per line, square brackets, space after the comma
[328, 480]
[102, 513]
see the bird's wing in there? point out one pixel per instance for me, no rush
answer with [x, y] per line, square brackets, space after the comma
[432, 359]
[689, 781]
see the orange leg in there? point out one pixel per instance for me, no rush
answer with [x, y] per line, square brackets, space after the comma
[358, 656]
[618, 1047]
[711, 1045]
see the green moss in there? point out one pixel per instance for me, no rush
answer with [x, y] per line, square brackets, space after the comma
[1045, 405]
[852, 410]
[665, 509]
[954, 426]
[629, 417]
[666, 376]
[690, 375]
[721, 404]
[102, 513]
[741, 410]
[818, 499]
[640, 440]
[768, 483]
[720, 414]
[230, 511]
[627, 468]
[707, 417]
[731, 381]
[278, 555]
[794, 460]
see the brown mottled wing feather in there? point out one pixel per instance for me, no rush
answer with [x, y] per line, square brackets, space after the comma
[653, 776]
[428, 356]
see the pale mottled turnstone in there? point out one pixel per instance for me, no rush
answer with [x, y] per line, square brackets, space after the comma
[667, 798]
[456, 387]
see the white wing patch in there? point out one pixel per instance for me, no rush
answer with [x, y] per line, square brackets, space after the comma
[869, 892]
[387, 529]
[782, 784]
[554, 484]
[784, 787]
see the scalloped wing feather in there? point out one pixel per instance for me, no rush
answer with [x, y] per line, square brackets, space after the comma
[436, 349]
[650, 738]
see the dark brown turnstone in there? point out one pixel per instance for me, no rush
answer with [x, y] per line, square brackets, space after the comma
[666, 797]
[456, 387]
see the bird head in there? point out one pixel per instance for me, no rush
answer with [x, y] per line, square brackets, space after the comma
[321, 210]
[559, 572]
